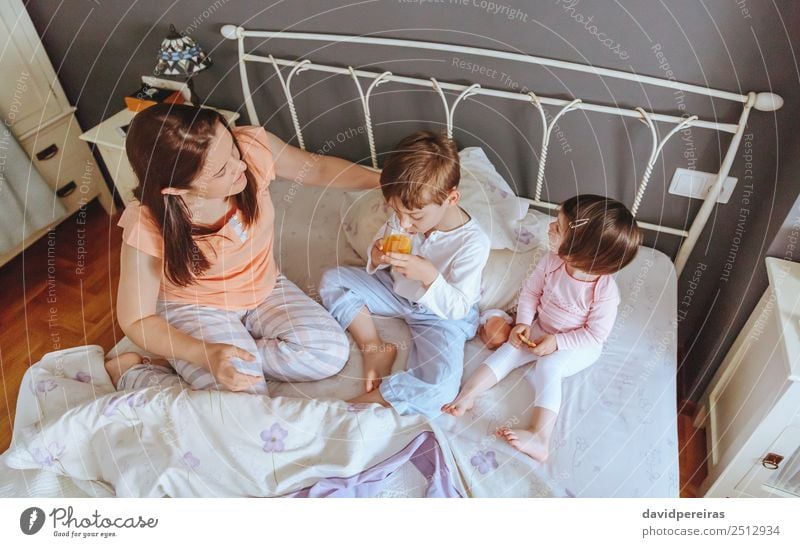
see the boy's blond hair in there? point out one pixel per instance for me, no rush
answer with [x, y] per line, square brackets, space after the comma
[422, 169]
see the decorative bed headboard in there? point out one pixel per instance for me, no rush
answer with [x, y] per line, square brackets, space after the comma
[764, 101]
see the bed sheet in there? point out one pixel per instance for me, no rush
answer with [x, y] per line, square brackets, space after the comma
[616, 434]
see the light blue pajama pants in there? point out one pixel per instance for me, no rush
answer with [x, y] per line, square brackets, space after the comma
[436, 360]
[293, 338]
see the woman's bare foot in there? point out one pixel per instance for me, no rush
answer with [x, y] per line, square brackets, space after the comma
[119, 365]
[462, 403]
[528, 442]
[378, 361]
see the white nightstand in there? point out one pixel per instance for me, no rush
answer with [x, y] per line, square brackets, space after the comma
[111, 144]
[751, 409]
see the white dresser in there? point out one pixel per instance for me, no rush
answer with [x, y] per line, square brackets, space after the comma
[751, 409]
[33, 103]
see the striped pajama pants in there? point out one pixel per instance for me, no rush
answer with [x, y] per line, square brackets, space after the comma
[293, 338]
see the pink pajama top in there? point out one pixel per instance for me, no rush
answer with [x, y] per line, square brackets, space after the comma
[578, 313]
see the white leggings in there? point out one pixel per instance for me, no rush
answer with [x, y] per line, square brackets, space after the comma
[548, 371]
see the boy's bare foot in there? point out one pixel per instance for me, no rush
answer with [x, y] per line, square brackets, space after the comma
[373, 396]
[378, 361]
[459, 405]
[117, 366]
[528, 442]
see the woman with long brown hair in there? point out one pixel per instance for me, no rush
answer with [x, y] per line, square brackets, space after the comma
[198, 282]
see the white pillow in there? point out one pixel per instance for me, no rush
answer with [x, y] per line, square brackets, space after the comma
[488, 198]
[524, 237]
[506, 270]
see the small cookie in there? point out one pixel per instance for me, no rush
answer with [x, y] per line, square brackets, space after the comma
[526, 341]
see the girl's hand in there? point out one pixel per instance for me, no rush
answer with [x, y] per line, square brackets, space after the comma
[413, 267]
[218, 360]
[513, 337]
[376, 253]
[545, 345]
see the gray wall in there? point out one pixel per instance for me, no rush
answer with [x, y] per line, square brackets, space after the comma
[100, 50]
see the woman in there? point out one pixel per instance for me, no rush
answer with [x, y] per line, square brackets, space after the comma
[198, 282]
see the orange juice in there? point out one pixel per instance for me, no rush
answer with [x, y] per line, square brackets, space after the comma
[397, 243]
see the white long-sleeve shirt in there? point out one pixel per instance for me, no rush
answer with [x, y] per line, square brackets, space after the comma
[459, 255]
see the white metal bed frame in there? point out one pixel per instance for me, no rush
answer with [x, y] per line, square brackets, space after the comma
[764, 101]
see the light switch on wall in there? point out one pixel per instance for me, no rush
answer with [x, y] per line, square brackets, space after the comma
[696, 184]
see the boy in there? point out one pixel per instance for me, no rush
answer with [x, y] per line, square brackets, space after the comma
[435, 291]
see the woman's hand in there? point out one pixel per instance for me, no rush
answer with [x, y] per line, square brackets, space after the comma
[413, 267]
[545, 345]
[514, 336]
[218, 360]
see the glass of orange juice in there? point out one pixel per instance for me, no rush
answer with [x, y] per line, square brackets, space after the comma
[396, 239]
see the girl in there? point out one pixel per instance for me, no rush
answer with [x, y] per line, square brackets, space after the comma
[566, 310]
[198, 282]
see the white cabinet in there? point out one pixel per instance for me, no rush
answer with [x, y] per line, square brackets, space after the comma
[751, 409]
[29, 90]
[39, 115]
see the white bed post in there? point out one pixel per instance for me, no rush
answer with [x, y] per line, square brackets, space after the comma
[764, 101]
[238, 35]
[704, 213]
[548, 130]
[658, 145]
[364, 97]
[450, 111]
[287, 91]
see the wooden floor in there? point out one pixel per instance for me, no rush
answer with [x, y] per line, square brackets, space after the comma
[58, 294]
[61, 293]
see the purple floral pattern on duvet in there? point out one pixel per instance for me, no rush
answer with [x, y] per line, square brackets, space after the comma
[380, 206]
[190, 460]
[484, 462]
[273, 438]
[44, 386]
[524, 235]
[48, 456]
[118, 402]
[494, 188]
[83, 377]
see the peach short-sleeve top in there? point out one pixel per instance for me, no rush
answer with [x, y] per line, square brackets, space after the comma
[243, 271]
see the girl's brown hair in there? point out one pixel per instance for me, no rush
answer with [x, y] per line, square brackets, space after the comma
[422, 169]
[601, 237]
[167, 146]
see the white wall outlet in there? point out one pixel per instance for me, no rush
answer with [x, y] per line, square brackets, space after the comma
[696, 184]
[175, 85]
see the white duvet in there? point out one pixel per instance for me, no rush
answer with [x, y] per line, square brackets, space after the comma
[184, 443]
[616, 434]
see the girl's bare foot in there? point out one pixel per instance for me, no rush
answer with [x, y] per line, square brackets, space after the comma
[117, 366]
[462, 403]
[378, 361]
[528, 442]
